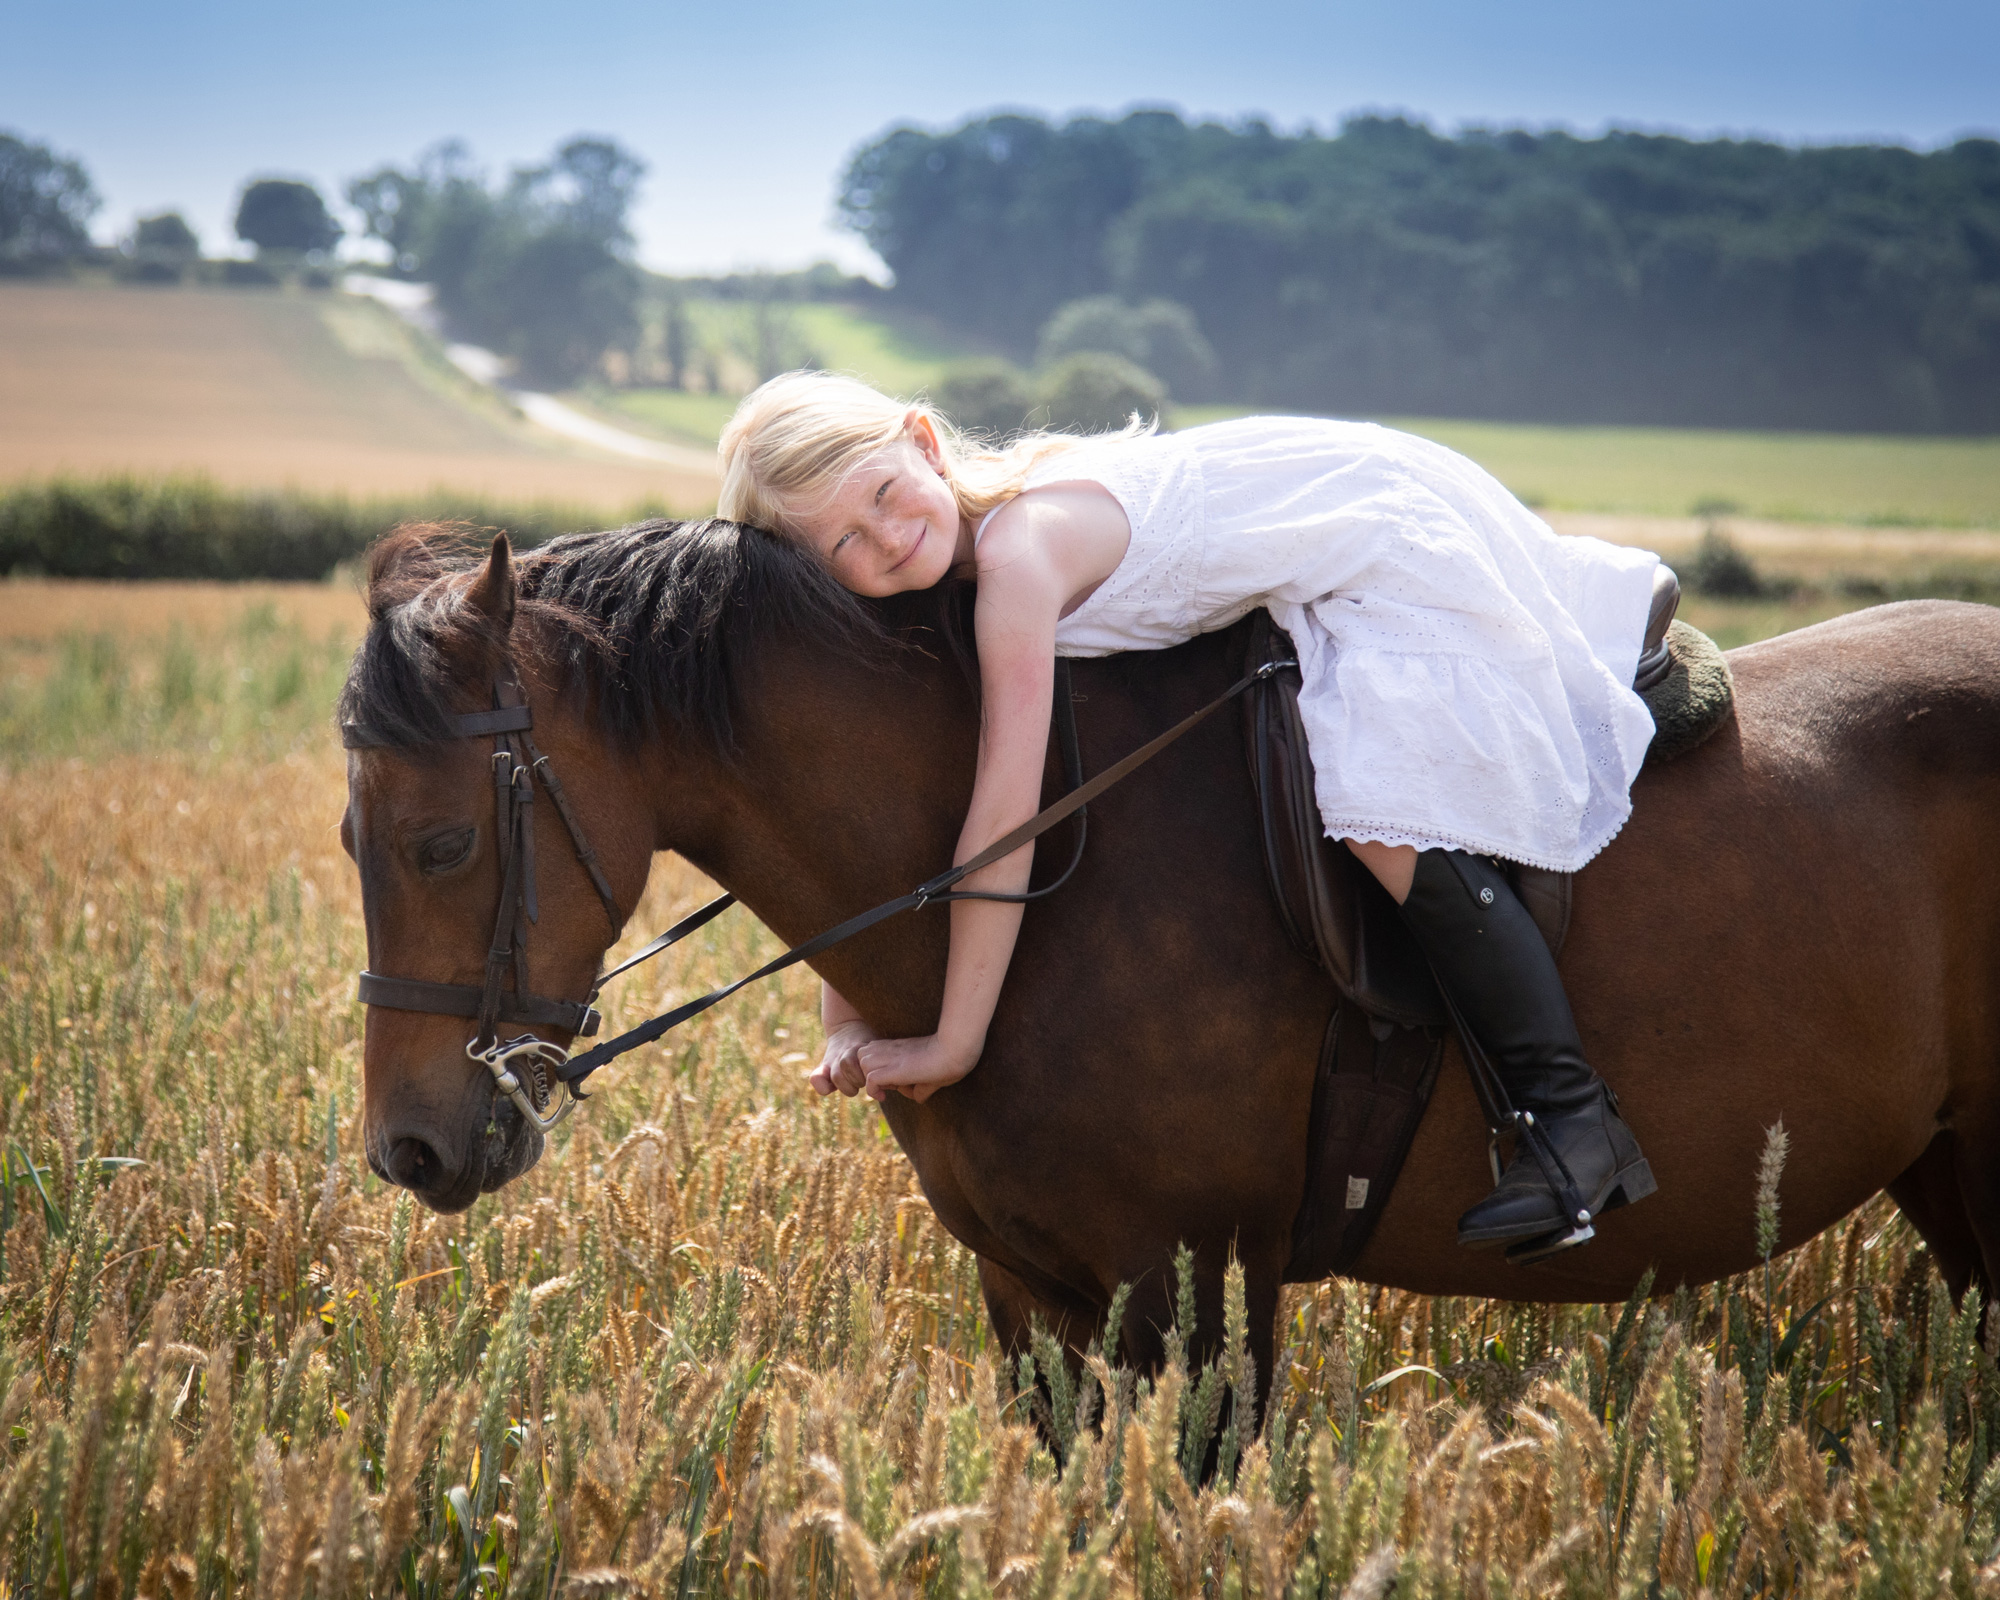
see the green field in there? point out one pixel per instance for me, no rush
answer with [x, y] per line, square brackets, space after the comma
[736, 340]
[1785, 477]
[1879, 480]
[684, 416]
[903, 355]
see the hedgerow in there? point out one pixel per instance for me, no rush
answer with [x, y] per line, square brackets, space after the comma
[125, 527]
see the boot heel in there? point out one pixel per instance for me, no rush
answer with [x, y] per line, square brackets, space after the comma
[1634, 1183]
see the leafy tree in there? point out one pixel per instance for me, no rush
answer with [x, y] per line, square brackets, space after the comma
[161, 248]
[1159, 335]
[536, 269]
[1633, 277]
[676, 341]
[456, 223]
[585, 189]
[1006, 215]
[46, 203]
[391, 204]
[166, 237]
[986, 397]
[555, 300]
[284, 215]
[1094, 392]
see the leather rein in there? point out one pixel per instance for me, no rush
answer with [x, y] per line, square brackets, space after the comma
[541, 1077]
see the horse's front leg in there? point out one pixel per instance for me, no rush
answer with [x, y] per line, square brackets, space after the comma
[1016, 1308]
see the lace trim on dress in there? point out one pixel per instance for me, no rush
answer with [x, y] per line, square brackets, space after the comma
[1386, 833]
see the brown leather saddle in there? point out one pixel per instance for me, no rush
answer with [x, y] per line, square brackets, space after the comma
[1385, 1040]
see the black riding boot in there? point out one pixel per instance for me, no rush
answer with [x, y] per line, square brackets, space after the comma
[1501, 981]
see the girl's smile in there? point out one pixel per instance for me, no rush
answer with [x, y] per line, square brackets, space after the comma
[882, 532]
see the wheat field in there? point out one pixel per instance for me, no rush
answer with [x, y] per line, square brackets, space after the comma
[716, 1343]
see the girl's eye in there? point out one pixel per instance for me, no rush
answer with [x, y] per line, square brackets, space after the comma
[883, 490]
[840, 541]
[446, 851]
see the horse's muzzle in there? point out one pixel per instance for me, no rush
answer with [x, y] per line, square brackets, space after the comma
[449, 1168]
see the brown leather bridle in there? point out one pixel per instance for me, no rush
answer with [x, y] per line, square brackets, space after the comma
[540, 1076]
[517, 766]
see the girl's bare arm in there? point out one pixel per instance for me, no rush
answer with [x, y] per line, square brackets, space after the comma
[1025, 582]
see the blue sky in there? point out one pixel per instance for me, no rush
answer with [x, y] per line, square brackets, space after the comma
[747, 112]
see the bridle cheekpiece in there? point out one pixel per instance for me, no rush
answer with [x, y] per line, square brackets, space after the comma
[525, 1068]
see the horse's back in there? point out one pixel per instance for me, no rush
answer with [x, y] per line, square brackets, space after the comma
[1800, 922]
[1920, 676]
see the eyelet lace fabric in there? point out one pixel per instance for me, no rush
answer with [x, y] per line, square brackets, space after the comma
[1466, 670]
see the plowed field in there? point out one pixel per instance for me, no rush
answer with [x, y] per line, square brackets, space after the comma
[262, 389]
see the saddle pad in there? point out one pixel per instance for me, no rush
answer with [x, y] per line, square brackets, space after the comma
[1695, 698]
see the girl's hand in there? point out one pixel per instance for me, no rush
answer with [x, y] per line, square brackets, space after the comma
[840, 1063]
[916, 1067]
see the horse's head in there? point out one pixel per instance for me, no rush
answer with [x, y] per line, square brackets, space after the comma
[429, 829]
[698, 686]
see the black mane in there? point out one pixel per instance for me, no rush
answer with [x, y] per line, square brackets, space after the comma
[656, 622]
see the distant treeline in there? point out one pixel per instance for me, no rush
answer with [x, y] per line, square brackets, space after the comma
[1631, 278]
[191, 528]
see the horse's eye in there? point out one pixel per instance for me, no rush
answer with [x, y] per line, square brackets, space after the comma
[447, 850]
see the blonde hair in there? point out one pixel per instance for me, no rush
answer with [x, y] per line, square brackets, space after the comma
[796, 439]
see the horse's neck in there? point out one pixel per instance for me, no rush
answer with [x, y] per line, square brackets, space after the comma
[850, 787]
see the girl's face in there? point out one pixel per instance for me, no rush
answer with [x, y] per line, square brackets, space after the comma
[894, 525]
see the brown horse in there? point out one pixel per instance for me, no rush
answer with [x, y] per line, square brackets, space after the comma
[1801, 921]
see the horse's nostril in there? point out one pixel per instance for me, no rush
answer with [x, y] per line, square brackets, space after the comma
[413, 1165]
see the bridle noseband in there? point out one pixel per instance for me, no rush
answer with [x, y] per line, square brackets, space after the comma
[552, 1074]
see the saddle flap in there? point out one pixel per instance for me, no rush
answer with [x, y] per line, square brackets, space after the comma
[1332, 908]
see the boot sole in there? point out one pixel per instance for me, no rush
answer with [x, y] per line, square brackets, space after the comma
[1627, 1184]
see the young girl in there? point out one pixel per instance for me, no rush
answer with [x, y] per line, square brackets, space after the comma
[1466, 688]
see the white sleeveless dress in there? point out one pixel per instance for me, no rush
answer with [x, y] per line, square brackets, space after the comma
[1467, 670]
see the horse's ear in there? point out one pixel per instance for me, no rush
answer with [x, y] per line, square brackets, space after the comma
[492, 591]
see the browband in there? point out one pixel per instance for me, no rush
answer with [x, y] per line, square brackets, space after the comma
[465, 725]
[462, 1000]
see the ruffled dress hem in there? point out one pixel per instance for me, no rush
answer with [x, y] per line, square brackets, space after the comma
[1344, 828]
